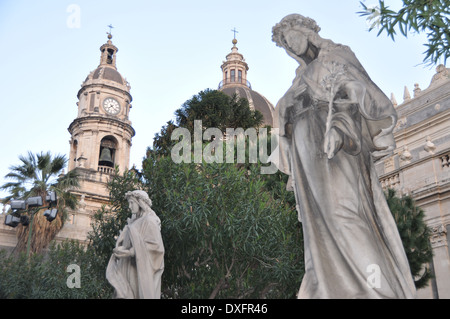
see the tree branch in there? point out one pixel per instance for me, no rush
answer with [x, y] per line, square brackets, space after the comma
[217, 288]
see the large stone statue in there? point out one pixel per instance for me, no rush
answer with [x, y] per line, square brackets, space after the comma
[137, 262]
[333, 122]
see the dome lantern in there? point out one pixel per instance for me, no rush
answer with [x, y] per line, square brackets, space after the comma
[234, 69]
[234, 81]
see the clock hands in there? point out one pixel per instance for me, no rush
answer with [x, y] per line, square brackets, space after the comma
[111, 106]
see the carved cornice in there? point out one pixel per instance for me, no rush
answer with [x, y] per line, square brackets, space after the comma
[424, 100]
[402, 132]
[107, 120]
[438, 236]
[404, 167]
[92, 197]
[103, 86]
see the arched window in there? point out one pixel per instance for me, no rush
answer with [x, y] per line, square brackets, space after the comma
[75, 150]
[110, 56]
[108, 147]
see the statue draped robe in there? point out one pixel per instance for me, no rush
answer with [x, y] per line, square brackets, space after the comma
[352, 246]
[138, 277]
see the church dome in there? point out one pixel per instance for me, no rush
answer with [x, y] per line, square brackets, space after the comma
[234, 81]
[256, 101]
[108, 73]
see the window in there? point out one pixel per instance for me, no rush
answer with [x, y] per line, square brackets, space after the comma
[71, 220]
[92, 102]
[109, 59]
[75, 150]
[240, 76]
[233, 76]
[108, 146]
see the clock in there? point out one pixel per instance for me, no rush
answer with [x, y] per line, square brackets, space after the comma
[111, 106]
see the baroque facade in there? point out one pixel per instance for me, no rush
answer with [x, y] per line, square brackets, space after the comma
[420, 167]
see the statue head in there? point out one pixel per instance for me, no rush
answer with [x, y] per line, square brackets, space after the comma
[139, 202]
[293, 21]
[299, 36]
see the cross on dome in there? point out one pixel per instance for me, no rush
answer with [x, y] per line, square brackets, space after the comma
[109, 33]
[234, 35]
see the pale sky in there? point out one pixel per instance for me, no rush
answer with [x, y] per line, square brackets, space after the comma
[168, 52]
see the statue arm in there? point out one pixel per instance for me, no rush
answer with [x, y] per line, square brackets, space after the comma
[346, 127]
[123, 247]
[287, 102]
[121, 252]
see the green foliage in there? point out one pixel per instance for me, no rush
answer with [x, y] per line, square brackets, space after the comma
[45, 276]
[215, 109]
[415, 236]
[276, 184]
[34, 176]
[162, 143]
[430, 16]
[225, 235]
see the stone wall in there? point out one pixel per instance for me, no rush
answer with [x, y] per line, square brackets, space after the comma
[420, 167]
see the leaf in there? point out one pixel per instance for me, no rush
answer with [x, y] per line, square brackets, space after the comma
[419, 16]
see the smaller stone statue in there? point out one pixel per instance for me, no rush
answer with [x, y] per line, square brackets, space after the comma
[137, 262]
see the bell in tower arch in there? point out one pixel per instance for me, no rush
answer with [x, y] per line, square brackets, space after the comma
[106, 157]
[108, 146]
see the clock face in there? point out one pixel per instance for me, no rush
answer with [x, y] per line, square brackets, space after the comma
[111, 106]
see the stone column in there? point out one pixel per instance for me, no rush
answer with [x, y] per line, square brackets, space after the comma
[441, 260]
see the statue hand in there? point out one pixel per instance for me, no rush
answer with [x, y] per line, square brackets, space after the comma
[333, 142]
[121, 252]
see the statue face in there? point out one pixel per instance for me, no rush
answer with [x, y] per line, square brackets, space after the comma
[134, 207]
[296, 41]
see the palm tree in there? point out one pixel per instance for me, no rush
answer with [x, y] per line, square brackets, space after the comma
[35, 176]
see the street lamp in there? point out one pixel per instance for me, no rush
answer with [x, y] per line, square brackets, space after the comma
[20, 206]
[34, 201]
[33, 204]
[50, 214]
[12, 221]
[24, 220]
[51, 198]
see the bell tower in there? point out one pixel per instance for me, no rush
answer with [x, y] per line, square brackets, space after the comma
[101, 134]
[100, 138]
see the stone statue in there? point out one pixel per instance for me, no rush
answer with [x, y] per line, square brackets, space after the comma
[137, 262]
[333, 122]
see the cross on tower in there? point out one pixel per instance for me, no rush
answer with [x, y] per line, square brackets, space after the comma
[110, 28]
[234, 31]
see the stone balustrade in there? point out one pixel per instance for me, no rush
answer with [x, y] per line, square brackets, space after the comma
[105, 169]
